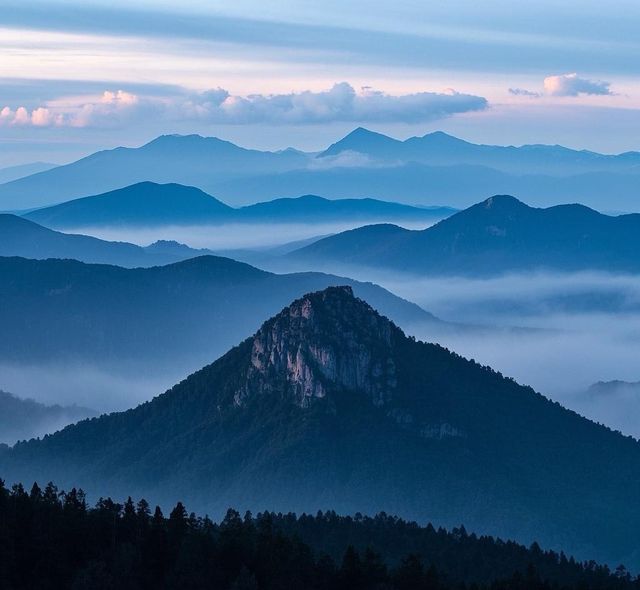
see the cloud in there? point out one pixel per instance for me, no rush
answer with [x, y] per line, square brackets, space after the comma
[341, 103]
[39, 117]
[573, 85]
[524, 92]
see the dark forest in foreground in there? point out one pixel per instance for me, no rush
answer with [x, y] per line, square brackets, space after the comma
[52, 539]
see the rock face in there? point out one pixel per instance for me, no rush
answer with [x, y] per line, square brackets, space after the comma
[309, 349]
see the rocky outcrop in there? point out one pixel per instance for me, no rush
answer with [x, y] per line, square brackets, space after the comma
[326, 341]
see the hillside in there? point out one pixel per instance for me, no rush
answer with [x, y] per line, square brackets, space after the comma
[178, 316]
[145, 203]
[21, 237]
[497, 236]
[330, 405]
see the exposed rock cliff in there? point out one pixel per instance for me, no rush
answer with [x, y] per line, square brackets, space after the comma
[326, 340]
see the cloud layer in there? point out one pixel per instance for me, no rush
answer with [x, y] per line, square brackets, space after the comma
[341, 103]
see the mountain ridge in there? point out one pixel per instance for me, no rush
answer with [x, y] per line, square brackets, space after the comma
[152, 204]
[498, 235]
[424, 170]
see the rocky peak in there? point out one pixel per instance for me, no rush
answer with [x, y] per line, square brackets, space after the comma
[323, 343]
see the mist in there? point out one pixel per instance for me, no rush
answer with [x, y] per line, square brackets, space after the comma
[229, 236]
[98, 388]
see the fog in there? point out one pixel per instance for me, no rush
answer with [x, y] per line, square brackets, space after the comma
[101, 389]
[229, 236]
[574, 330]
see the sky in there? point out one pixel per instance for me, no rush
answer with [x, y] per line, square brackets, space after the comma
[78, 76]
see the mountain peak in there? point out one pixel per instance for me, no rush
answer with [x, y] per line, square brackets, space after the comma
[323, 343]
[360, 140]
[502, 202]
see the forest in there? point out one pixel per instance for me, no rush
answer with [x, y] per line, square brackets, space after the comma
[54, 539]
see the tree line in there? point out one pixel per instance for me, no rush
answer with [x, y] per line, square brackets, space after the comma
[52, 539]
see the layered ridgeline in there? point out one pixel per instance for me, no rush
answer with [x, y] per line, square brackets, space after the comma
[432, 169]
[186, 159]
[499, 235]
[151, 204]
[21, 237]
[329, 404]
[180, 315]
[23, 419]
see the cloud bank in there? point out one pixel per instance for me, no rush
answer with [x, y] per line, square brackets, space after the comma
[341, 103]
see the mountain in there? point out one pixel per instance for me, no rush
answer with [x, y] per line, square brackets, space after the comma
[441, 149]
[314, 209]
[145, 203]
[457, 185]
[23, 419]
[174, 317]
[429, 170]
[499, 235]
[21, 237]
[151, 204]
[186, 159]
[330, 404]
[14, 172]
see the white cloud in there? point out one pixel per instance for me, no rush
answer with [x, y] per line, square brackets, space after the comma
[341, 103]
[39, 117]
[573, 85]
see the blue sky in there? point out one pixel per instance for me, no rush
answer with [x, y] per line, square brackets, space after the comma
[80, 76]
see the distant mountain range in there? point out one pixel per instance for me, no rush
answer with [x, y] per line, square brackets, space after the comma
[497, 236]
[151, 204]
[14, 172]
[21, 237]
[174, 317]
[24, 419]
[192, 160]
[330, 404]
[432, 170]
[441, 149]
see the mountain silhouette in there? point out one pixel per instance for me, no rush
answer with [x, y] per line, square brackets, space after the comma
[152, 204]
[186, 159]
[330, 404]
[439, 148]
[21, 237]
[430, 170]
[145, 203]
[499, 235]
